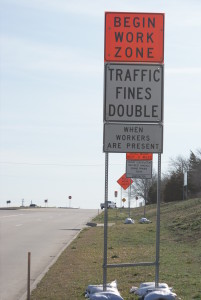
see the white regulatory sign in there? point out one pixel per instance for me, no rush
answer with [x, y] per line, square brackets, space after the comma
[133, 93]
[139, 169]
[124, 138]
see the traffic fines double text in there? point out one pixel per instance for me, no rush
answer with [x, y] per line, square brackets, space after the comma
[133, 93]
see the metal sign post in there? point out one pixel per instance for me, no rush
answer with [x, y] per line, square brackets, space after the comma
[121, 196]
[185, 189]
[105, 224]
[145, 197]
[129, 200]
[158, 223]
[28, 277]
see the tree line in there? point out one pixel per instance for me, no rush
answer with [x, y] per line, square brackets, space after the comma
[180, 182]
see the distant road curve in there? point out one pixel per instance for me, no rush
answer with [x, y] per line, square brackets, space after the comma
[45, 232]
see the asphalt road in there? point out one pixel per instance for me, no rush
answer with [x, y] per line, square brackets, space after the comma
[45, 232]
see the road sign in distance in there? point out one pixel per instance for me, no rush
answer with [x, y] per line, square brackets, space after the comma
[124, 138]
[124, 182]
[139, 169]
[133, 93]
[134, 37]
[139, 156]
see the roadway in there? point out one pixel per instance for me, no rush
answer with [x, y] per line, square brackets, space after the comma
[45, 232]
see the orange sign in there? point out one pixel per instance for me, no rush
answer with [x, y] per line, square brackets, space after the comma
[124, 182]
[134, 37]
[139, 156]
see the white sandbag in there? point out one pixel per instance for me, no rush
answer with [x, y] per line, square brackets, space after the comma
[105, 296]
[91, 289]
[162, 294]
[144, 221]
[129, 221]
[142, 291]
[152, 283]
[99, 289]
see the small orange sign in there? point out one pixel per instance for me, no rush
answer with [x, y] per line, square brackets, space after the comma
[134, 37]
[124, 182]
[139, 156]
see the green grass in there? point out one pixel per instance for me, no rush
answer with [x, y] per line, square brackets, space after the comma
[180, 254]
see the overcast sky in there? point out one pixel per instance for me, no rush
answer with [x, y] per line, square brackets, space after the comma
[51, 113]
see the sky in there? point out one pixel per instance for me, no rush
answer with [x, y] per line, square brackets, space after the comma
[51, 97]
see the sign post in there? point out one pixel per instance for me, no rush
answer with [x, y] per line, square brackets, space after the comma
[133, 100]
[158, 223]
[185, 185]
[105, 223]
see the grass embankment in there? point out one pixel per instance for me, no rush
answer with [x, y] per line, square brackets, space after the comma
[180, 254]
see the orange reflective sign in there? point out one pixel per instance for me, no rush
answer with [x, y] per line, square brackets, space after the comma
[134, 37]
[139, 156]
[124, 182]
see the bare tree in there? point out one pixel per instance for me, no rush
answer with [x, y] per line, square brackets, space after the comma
[178, 164]
[141, 187]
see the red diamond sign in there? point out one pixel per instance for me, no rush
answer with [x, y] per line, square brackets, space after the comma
[124, 182]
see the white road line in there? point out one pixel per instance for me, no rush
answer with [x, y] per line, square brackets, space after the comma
[11, 216]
